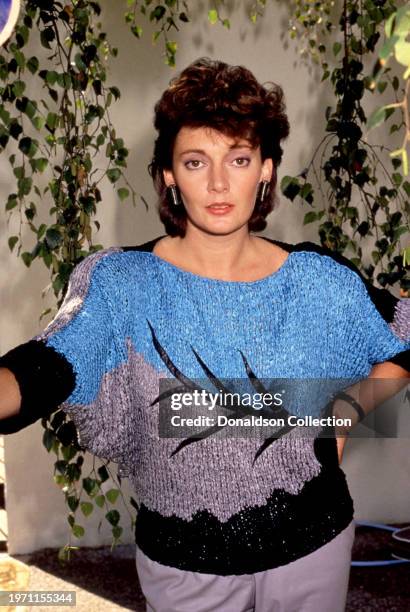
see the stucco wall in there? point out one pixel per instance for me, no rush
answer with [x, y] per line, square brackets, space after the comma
[377, 471]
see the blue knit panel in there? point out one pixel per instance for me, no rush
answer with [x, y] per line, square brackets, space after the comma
[313, 318]
[82, 330]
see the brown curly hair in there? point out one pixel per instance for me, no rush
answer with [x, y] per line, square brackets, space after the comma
[211, 93]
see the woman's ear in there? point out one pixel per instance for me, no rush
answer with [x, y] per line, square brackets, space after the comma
[268, 170]
[168, 177]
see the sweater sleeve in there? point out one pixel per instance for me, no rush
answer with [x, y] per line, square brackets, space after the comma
[66, 362]
[383, 341]
[393, 310]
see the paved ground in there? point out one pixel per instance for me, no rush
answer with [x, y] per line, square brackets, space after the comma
[106, 581]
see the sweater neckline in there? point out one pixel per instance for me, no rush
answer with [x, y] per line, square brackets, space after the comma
[217, 281]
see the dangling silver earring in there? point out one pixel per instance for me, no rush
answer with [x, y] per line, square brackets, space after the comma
[172, 190]
[264, 190]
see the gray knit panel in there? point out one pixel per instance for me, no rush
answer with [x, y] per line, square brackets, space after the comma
[212, 474]
[400, 325]
[76, 292]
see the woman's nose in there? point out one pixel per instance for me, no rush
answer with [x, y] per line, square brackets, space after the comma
[218, 180]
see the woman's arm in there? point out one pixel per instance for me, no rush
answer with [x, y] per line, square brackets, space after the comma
[371, 396]
[10, 396]
[64, 364]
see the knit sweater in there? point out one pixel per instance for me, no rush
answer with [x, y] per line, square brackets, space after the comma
[131, 320]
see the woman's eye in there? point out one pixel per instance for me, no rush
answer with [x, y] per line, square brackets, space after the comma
[244, 161]
[192, 163]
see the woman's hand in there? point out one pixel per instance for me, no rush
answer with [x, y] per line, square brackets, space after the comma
[342, 409]
[341, 441]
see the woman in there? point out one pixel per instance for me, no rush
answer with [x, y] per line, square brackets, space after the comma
[225, 523]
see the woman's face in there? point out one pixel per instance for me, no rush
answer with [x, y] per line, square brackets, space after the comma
[218, 178]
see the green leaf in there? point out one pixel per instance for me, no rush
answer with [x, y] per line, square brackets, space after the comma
[79, 62]
[115, 92]
[27, 259]
[4, 115]
[33, 64]
[68, 452]
[397, 178]
[72, 502]
[48, 439]
[402, 25]
[78, 531]
[113, 174]
[61, 466]
[406, 187]
[38, 122]
[103, 473]
[171, 46]
[28, 146]
[290, 187]
[305, 191]
[136, 30]
[376, 257]
[113, 517]
[399, 232]
[91, 486]
[309, 218]
[99, 500]
[336, 48]
[53, 238]
[376, 118]
[40, 163]
[12, 201]
[388, 48]
[71, 520]
[123, 193]
[402, 52]
[30, 109]
[18, 88]
[12, 241]
[51, 77]
[112, 495]
[20, 58]
[212, 16]
[24, 186]
[86, 508]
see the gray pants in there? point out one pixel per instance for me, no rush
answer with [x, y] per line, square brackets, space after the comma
[317, 582]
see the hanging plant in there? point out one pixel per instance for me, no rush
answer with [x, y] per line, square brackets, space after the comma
[363, 200]
[55, 137]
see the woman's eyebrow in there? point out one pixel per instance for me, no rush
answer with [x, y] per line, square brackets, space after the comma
[202, 152]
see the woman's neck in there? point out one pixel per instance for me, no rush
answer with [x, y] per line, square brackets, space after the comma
[234, 257]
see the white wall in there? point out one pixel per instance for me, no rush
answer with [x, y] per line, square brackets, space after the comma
[377, 471]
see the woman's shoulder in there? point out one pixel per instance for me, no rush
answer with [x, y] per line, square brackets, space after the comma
[322, 262]
[112, 264]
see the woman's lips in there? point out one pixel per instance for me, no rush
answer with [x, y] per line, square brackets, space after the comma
[219, 209]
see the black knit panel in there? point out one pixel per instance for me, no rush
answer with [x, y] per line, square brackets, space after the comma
[45, 379]
[256, 539]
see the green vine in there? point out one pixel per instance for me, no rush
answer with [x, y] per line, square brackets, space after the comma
[364, 200]
[55, 139]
